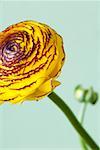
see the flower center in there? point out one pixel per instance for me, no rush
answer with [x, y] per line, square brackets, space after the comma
[10, 50]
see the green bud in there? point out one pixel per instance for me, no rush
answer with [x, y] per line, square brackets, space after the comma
[94, 98]
[86, 95]
[79, 93]
[89, 94]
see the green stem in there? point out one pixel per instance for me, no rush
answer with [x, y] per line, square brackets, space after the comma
[81, 119]
[84, 146]
[82, 113]
[72, 118]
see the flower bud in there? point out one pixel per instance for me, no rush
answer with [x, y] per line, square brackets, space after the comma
[86, 95]
[79, 93]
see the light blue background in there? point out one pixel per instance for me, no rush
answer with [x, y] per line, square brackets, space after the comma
[41, 124]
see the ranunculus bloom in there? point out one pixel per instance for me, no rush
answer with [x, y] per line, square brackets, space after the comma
[31, 58]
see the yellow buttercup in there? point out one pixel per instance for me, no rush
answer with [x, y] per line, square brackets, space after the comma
[31, 58]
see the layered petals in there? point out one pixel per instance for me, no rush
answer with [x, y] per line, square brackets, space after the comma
[31, 58]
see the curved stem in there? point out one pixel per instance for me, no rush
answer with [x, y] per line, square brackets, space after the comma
[72, 118]
[81, 119]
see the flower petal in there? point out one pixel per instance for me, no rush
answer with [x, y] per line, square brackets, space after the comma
[1, 102]
[57, 69]
[44, 90]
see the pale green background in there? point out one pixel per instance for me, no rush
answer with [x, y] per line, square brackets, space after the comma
[41, 124]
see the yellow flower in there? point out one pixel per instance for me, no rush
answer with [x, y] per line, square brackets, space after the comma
[31, 58]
